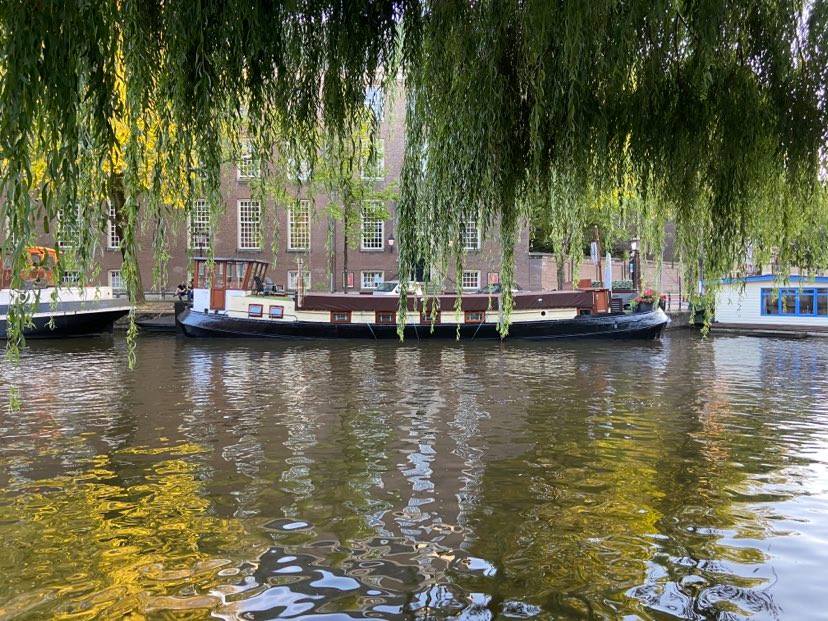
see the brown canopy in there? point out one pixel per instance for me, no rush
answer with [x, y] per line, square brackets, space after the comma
[592, 299]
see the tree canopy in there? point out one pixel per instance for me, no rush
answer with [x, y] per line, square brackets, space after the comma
[715, 112]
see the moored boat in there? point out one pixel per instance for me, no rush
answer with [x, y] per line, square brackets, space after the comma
[56, 311]
[231, 301]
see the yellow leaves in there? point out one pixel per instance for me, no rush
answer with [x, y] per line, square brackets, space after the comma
[115, 548]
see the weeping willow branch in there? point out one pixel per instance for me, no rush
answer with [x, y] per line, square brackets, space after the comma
[714, 113]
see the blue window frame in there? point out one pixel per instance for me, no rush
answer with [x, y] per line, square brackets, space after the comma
[795, 302]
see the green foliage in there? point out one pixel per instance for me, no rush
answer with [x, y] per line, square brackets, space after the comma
[713, 113]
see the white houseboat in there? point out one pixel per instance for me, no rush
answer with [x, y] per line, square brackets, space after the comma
[773, 303]
[56, 311]
[235, 299]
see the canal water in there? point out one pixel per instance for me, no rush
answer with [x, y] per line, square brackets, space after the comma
[681, 479]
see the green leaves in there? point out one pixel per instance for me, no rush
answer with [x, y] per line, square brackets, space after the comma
[714, 113]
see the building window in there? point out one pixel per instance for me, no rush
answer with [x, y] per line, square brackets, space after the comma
[470, 235]
[248, 165]
[374, 101]
[116, 281]
[340, 316]
[471, 280]
[373, 227]
[795, 302]
[113, 240]
[299, 226]
[198, 225]
[250, 216]
[371, 280]
[300, 170]
[373, 160]
[475, 316]
[255, 310]
[70, 278]
[69, 226]
[293, 280]
[276, 312]
[386, 318]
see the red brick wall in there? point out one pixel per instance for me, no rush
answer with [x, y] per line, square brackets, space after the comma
[317, 260]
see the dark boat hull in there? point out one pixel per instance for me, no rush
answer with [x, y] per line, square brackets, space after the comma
[69, 325]
[610, 326]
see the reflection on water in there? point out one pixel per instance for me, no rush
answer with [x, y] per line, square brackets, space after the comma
[685, 479]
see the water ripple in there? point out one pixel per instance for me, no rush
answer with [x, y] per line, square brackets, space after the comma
[685, 479]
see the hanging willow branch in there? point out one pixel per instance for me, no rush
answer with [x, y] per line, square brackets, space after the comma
[714, 112]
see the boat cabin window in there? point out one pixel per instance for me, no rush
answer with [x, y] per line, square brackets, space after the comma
[255, 310]
[808, 302]
[426, 319]
[200, 279]
[822, 302]
[203, 279]
[340, 316]
[386, 318]
[475, 316]
[236, 271]
[276, 312]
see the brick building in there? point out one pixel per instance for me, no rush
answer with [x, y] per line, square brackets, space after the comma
[306, 233]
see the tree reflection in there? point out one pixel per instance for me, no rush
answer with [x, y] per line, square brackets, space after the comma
[126, 545]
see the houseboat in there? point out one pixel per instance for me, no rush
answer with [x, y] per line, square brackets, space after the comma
[235, 299]
[772, 304]
[56, 311]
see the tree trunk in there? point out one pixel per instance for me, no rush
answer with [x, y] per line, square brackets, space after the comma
[560, 264]
[116, 197]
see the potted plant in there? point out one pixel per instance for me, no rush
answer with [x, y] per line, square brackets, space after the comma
[644, 302]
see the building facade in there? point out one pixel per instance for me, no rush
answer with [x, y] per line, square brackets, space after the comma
[304, 236]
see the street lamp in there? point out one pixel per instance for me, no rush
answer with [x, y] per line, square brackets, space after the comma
[391, 242]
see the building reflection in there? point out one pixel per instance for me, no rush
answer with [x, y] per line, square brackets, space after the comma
[470, 479]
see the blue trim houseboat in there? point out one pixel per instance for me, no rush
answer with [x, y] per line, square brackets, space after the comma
[773, 302]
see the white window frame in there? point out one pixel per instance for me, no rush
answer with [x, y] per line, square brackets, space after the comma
[255, 227]
[247, 167]
[71, 277]
[113, 241]
[116, 276]
[375, 102]
[302, 172]
[292, 235]
[465, 237]
[65, 242]
[379, 162]
[464, 280]
[198, 225]
[372, 282]
[373, 246]
[293, 276]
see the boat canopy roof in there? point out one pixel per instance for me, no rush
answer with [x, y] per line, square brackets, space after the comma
[232, 260]
[525, 300]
